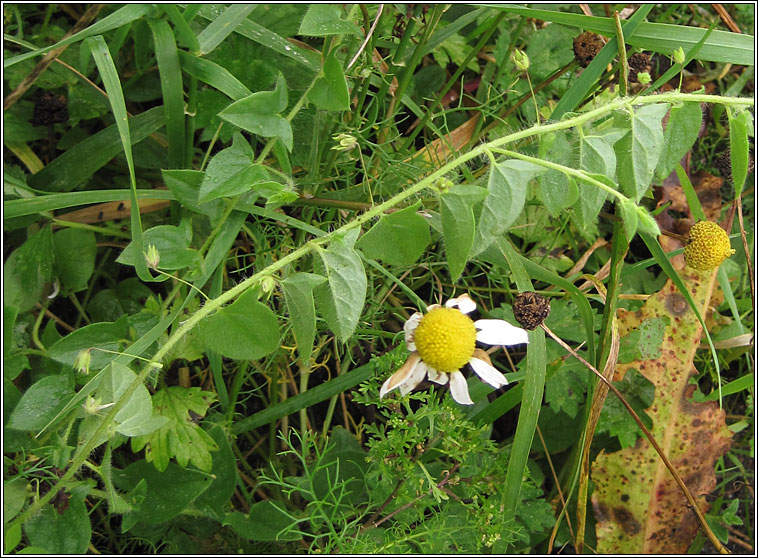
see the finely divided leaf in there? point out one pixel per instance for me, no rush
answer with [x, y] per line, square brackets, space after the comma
[639, 150]
[341, 299]
[505, 199]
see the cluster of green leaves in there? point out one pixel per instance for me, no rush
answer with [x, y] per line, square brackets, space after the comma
[297, 204]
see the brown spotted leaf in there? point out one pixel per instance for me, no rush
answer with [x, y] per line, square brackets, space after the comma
[638, 506]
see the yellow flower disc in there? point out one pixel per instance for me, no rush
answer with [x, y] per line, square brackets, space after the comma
[708, 246]
[445, 339]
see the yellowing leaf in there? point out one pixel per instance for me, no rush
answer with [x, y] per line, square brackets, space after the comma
[638, 506]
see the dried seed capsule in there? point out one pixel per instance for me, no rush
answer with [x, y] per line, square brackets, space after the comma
[530, 309]
[50, 109]
[586, 47]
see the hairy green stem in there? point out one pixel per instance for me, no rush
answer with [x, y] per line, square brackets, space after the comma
[428, 182]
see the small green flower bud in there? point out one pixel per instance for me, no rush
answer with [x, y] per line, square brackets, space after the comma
[152, 257]
[679, 55]
[82, 361]
[520, 59]
[643, 78]
[267, 284]
[91, 405]
[346, 142]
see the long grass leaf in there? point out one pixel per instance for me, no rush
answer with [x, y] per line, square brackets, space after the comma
[722, 46]
[39, 204]
[76, 166]
[269, 39]
[123, 16]
[112, 84]
[214, 75]
[221, 27]
[172, 89]
[531, 401]
[586, 82]
[181, 28]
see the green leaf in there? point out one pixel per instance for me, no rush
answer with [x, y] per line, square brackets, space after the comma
[637, 153]
[168, 493]
[341, 299]
[644, 342]
[596, 156]
[17, 127]
[330, 91]
[630, 217]
[221, 27]
[135, 417]
[41, 402]
[179, 437]
[324, 19]
[265, 522]
[298, 292]
[557, 190]
[259, 113]
[75, 251]
[27, 270]
[507, 187]
[172, 244]
[615, 420]
[104, 335]
[232, 171]
[66, 533]
[458, 224]
[76, 166]
[244, 330]
[224, 473]
[12, 538]
[739, 125]
[214, 75]
[15, 495]
[398, 238]
[681, 132]
[564, 391]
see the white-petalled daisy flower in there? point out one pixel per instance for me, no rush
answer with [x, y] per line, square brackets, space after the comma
[443, 340]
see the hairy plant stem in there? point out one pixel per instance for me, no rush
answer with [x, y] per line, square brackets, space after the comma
[429, 182]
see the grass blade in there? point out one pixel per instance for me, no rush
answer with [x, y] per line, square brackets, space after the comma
[221, 27]
[123, 16]
[214, 75]
[172, 89]
[112, 84]
[39, 204]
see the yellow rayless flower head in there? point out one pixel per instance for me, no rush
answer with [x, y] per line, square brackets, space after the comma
[708, 246]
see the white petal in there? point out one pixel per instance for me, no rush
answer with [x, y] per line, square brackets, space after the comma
[410, 328]
[459, 388]
[414, 378]
[462, 303]
[488, 373]
[400, 375]
[436, 376]
[500, 332]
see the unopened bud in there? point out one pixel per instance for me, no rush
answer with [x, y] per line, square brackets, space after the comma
[346, 142]
[82, 362]
[152, 256]
[267, 284]
[679, 55]
[643, 78]
[520, 59]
